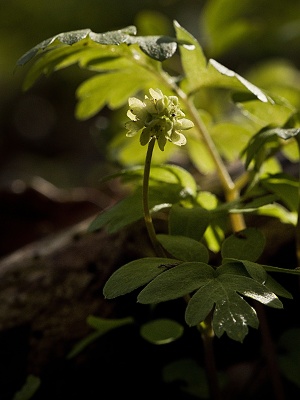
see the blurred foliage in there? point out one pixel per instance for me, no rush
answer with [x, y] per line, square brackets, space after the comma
[258, 38]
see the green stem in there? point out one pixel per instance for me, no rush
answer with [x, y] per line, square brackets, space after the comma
[147, 216]
[230, 190]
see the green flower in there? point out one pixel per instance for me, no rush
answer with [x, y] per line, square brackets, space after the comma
[157, 116]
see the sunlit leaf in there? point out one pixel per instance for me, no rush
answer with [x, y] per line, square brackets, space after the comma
[192, 58]
[157, 47]
[232, 314]
[285, 187]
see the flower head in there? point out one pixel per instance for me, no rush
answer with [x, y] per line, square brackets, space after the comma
[157, 116]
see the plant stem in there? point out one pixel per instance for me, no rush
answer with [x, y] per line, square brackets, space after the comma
[147, 216]
[270, 353]
[230, 190]
[207, 335]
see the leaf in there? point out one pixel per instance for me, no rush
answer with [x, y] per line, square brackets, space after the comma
[64, 38]
[135, 274]
[161, 331]
[190, 222]
[28, 390]
[111, 89]
[184, 248]
[192, 58]
[270, 268]
[265, 114]
[123, 213]
[102, 326]
[168, 185]
[232, 314]
[176, 282]
[205, 163]
[277, 288]
[157, 47]
[230, 138]
[200, 73]
[256, 271]
[220, 76]
[247, 244]
[285, 187]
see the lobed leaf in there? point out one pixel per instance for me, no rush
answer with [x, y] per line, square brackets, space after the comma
[135, 274]
[247, 244]
[184, 248]
[285, 187]
[189, 222]
[176, 282]
[232, 314]
[157, 47]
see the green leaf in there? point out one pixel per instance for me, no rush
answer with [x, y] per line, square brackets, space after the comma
[264, 140]
[192, 58]
[270, 268]
[157, 47]
[285, 187]
[161, 331]
[184, 248]
[135, 274]
[68, 38]
[176, 282]
[277, 288]
[111, 89]
[200, 74]
[102, 326]
[286, 133]
[124, 213]
[250, 288]
[230, 138]
[168, 185]
[280, 212]
[190, 222]
[232, 314]
[233, 317]
[29, 389]
[266, 114]
[220, 76]
[247, 244]
[256, 271]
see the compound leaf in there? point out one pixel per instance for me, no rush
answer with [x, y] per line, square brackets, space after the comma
[135, 274]
[247, 244]
[176, 281]
[184, 248]
[231, 313]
